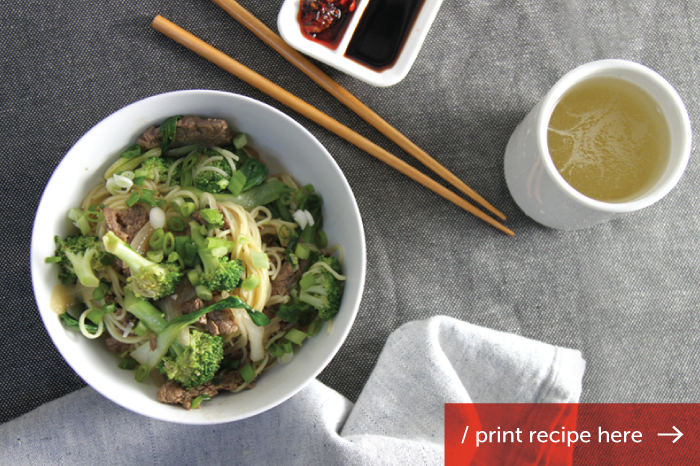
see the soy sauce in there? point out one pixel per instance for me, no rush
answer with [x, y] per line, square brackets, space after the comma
[382, 31]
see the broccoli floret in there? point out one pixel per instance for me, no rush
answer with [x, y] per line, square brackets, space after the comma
[166, 337]
[213, 217]
[148, 279]
[195, 364]
[159, 165]
[78, 256]
[320, 288]
[209, 174]
[220, 273]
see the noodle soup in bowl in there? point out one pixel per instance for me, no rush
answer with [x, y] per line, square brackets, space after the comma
[285, 147]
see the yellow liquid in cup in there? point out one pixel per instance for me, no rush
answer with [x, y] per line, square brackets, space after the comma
[609, 139]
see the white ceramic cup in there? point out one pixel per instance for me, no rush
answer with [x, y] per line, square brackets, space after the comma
[543, 194]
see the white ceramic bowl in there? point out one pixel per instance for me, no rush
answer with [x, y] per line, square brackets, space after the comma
[285, 146]
[289, 29]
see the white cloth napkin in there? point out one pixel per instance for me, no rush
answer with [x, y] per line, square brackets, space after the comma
[398, 418]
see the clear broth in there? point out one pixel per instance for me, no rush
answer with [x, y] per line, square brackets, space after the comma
[609, 139]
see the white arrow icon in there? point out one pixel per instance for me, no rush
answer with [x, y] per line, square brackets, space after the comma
[678, 434]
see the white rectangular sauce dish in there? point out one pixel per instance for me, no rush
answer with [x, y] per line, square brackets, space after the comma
[380, 75]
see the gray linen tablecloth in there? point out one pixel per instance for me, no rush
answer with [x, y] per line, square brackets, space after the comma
[623, 293]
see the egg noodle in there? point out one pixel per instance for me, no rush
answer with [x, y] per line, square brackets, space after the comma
[249, 342]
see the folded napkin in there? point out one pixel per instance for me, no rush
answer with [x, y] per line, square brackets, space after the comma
[397, 419]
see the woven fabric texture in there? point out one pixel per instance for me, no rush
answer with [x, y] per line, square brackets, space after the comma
[624, 293]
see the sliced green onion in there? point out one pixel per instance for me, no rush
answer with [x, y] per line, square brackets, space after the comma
[147, 197]
[109, 308]
[193, 277]
[139, 180]
[168, 243]
[296, 336]
[285, 199]
[52, 260]
[95, 316]
[140, 172]
[176, 223]
[301, 251]
[187, 250]
[101, 291]
[314, 327]
[197, 401]
[276, 350]
[187, 209]
[155, 242]
[287, 346]
[213, 217]
[240, 140]
[237, 182]
[248, 373]
[260, 260]
[94, 216]
[142, 372]
[155, 256]
[203, 293]
[80, 221]
[306, 281]
[250, 283]
[133, 199]
[128, 364]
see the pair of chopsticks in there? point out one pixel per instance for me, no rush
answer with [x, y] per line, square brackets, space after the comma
[242, 72]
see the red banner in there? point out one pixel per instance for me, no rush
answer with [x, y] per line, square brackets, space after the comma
[571, 434]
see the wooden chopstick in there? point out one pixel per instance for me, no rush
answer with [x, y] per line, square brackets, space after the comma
[227, 63]
[258, 28]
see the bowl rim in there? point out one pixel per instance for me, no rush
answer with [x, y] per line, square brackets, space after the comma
[37, 262]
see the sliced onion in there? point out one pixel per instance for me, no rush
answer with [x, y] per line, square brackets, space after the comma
[286, 358]
[127, 329]
[309, 218]
[300, 218]
[123, 182]
[255, 336]
[112, 187]
[157, 217]
[140, 241]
